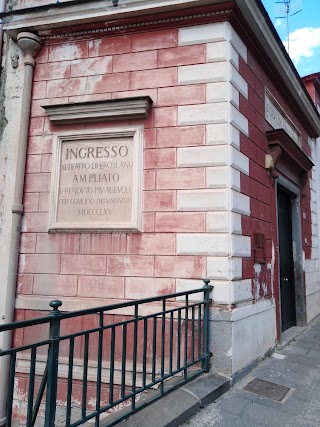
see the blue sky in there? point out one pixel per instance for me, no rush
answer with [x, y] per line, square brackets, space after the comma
[304, 33]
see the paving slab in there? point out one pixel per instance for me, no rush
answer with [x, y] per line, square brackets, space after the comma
[296, 366]
[266, 415]
[234, 404]
[314, 354]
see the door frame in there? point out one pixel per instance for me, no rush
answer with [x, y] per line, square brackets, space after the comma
[298, 258]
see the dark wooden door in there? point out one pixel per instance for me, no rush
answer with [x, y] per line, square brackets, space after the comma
[287, 288]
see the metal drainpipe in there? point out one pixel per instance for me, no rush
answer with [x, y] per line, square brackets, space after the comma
[30, 45]
[2, 9]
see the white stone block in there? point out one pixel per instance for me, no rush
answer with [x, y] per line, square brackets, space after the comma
[218, 92]
[235, 180]
[203, 73]
[202, 156]
[313, 305]
[183, 285]
[222, 92]
[203, 114]
[238, 44]
[242, 290]
[310, 266]
[235, 223]
[231, 292]
[240, 203]
[221, 291]
[218, 134]
[235, 137]
[219, 51]
[223, 177]
[239, 121]
[224, 222]
[235, 97]
[240, 246]
[315, 253]
[224, 268]
[314, 218]
[202, 200]
[218, 177]
[238, 81]
[239, 161]
[314, 230]
[203, 244]
[310, 279]
[218, 222]
[314, 206]
[234, 57]
[202, 34]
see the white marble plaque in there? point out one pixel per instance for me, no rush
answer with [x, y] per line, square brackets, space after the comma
[278, 119]
[97, 181]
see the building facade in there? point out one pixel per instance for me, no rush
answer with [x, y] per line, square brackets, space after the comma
[147, 146]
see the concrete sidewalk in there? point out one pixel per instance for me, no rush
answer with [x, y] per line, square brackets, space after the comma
[296, 366]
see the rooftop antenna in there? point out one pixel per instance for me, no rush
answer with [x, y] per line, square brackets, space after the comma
[284, 8]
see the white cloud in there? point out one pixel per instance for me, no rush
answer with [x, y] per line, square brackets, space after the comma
[303, 43]
[278, 22]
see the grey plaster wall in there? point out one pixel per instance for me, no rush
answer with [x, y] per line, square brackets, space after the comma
[220, 345]
[10, 99]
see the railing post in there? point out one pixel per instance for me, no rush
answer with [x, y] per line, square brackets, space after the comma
[207, 289]
[53, 364]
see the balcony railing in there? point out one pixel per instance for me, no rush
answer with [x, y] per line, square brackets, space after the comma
[117, 359]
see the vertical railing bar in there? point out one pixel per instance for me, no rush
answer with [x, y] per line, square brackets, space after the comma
[70, 381]
[134, 358]
[186, 338]
[192, 334]
[154, 348]
[179, 340]
[144, 361]
[163, 333]
[53, 364]
[99, 369]
[40, 394]
[199, 330]
[124, 355]
[31, 385]
[85, 376]
[171, 343]
[204, 328]
[12, 371]
[207, 289]
[113, 338]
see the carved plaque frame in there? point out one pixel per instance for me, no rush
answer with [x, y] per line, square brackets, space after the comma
[133, 137]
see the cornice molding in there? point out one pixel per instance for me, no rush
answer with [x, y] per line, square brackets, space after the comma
[172, 19]
[280, 145]
[42, 18]
[95, 111]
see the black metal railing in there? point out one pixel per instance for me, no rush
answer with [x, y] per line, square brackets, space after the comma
[114, 362]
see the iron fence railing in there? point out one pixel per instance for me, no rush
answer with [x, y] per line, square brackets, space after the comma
[105, 360]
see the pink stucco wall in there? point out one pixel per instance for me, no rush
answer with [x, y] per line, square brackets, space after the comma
[103, 265]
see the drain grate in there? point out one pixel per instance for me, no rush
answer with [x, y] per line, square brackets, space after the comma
[267, 389]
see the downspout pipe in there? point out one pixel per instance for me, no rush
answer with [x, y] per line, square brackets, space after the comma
[2, 9]
[30, 45]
